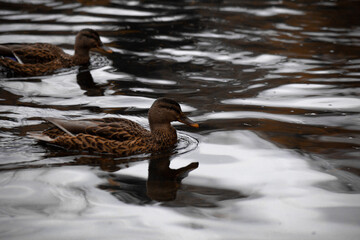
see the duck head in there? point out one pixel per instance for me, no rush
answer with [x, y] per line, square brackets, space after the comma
[85, 40]
[164, 111]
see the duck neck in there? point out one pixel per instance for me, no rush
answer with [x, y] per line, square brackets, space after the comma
[164, 134]
[81, 56]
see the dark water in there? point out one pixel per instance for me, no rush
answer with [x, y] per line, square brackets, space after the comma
[274, 85]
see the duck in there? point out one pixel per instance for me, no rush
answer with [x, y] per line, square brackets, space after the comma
[118, 136]
[38, 59]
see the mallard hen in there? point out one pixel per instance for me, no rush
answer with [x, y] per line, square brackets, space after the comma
[119, 136]
[44, 58]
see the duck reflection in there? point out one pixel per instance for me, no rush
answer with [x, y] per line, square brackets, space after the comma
[107, 164]
[164, 182]
[165, 185]
[86, 82]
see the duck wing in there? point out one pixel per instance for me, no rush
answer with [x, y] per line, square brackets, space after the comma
[109, 128]
[35, 53]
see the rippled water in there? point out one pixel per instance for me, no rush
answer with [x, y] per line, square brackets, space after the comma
[275, 86]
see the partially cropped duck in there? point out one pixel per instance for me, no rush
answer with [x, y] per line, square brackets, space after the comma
[119, 136]
[44, 58]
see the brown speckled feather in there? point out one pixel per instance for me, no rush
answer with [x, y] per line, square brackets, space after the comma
[37, 69]
[103, 145]
[38, 52]
[117, 135]
[121, 137]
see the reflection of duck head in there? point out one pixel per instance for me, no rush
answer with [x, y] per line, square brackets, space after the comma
[163, 182]
[86, 82]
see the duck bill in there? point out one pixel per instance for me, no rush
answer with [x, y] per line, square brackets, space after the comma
[188, 121]
[103, 49]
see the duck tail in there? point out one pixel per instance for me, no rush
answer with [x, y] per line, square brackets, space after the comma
[40, 136]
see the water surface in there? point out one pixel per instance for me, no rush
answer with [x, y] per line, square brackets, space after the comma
[274, 85]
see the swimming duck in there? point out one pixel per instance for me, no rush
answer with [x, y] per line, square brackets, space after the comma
[44, 58]
[118, 136]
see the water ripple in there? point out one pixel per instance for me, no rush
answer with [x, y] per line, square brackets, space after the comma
[274, 86]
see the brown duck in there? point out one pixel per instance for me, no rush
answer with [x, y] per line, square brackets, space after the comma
[44, 58]
[119, 136]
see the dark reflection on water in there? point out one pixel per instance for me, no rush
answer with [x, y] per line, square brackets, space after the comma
[164, 185]
[86, 83]
[280, 77]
